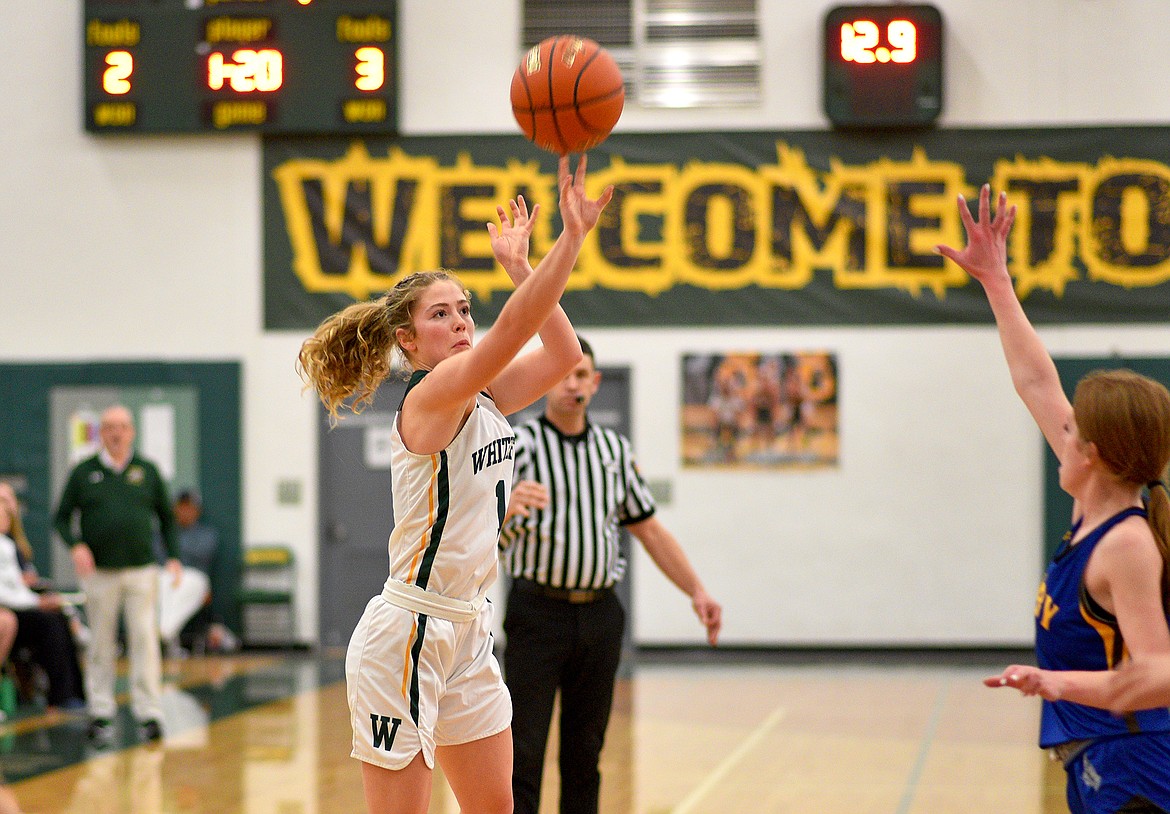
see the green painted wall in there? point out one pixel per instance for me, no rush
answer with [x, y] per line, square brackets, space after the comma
[26, 439]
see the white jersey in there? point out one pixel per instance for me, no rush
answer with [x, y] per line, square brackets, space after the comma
[448, 507]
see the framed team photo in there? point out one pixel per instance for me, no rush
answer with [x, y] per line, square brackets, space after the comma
[757, 409]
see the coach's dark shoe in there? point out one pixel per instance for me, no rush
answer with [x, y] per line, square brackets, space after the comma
[150, 730]
[100, 730]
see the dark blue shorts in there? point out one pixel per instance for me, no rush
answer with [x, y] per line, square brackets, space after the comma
[1130, 773]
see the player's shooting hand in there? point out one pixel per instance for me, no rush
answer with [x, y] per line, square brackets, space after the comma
[985, 255]
[578, 211]
[710, 613]
[511, 238]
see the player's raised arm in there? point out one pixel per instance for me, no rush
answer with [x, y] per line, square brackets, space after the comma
[530, 375]
[1032, 369]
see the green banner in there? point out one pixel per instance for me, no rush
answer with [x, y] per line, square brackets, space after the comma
[749, 228]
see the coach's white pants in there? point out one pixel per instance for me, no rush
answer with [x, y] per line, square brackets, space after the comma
[178, 603]
[134, 591]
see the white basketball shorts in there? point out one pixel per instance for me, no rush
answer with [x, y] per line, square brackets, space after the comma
[415, 682]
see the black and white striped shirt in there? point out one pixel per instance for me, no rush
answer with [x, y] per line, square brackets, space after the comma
[594, 486]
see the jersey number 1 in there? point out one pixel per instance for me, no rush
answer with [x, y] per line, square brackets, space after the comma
[501, 504]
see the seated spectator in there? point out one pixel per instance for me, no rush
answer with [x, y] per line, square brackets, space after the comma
[42, 626]
[186, 618]
[23, 549]
[7, 637]
[7, 633]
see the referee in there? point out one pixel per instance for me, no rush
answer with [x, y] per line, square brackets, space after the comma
[575, 484]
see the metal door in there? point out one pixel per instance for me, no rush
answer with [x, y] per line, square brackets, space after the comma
[356, 512]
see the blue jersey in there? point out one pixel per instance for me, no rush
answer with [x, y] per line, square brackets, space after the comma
[1073, 632]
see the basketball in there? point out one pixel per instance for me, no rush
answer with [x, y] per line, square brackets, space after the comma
[567, 94]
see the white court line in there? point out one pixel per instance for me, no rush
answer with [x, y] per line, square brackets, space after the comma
[723, 769]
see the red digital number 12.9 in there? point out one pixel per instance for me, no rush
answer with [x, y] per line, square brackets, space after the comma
[860, 42]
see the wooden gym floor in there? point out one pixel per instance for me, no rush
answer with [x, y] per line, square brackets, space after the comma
[269, 734]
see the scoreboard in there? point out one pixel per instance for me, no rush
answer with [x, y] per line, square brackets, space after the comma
[221, 66]
[883, 65]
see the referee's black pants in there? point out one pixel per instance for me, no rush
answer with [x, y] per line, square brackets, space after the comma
[553, 644]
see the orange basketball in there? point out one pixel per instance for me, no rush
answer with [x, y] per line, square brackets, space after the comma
[567, 94]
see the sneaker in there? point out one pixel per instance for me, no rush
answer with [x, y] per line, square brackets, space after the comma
[100, 730]
[150, 730]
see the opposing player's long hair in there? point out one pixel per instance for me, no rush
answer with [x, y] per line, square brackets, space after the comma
[1128, 417]
[352, 352]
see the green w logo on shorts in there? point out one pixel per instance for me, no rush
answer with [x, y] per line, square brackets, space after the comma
[383, 735]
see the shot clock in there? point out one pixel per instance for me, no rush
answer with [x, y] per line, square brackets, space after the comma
[883, 65]
[271, 66]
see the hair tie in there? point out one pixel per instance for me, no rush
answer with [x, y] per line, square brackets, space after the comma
[1154, 484]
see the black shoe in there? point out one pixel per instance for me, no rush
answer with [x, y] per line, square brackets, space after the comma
[150, 730]
[100, 730]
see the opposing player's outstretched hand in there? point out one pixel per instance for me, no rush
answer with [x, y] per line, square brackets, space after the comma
[510, 240]
[578, 211]
[985, 256]
[1028, 680]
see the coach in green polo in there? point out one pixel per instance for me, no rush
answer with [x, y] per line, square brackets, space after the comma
[118, 496]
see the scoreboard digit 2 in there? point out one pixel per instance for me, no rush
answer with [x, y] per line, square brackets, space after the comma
[221, 66]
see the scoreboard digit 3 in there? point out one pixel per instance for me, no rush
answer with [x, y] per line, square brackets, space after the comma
[218, 66]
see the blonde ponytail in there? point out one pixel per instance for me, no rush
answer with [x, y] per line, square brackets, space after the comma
[350, 353]
[348, 356]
